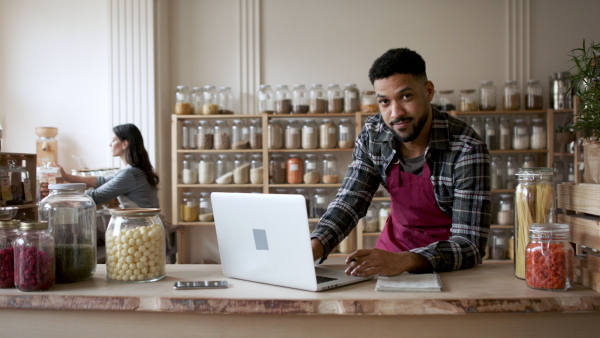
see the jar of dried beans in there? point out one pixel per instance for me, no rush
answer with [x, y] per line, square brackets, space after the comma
[549, 257]
[222, 135]
[318, 100]
[511, 100]
[205, 135]
[255, 134]
[34, 257]
[9, 231]
[283, 100]
[277, 169]
[335, 99]
[299, 99]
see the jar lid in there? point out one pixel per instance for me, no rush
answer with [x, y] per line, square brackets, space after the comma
[34, 225]
[10, 224]
[549, 230]
[66, 186]
[135, 212]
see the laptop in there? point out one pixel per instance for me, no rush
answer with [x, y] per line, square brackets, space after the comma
[265, 238]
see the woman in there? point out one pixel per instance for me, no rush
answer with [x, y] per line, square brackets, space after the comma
[135, 186]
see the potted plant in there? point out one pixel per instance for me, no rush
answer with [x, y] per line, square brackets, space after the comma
[585, 86]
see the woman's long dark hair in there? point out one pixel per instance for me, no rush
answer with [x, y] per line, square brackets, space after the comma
[136, 154]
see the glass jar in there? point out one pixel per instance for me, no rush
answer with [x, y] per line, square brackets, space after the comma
[320, 202]
[370, 222]
[292, 135]
[468, 100]
[538, 134]
[511, 98]
[384, 213]
[283, 100]
[188, 134]
[348, 245]
[206, 170]
[189, 207]
[205, 212]
[210, 104]
[189, 174]
[241, 169]
[534, 97]
[505, 214]
[477, 125]
[558, 168]
[205, 135]
[327, 134]
[295, 169]
[571, 172]
[498, 244]
[275, 135]
[368, 102]
[46, 175]
[13, 191]
[9, 231]
[491, 135]
[487, 96]
[520, 135]
[310, 135]
[266, 100]
[224, 170]
[330, 172]
[335, 99]
[299, 99]
[351, 99]
[183, 105]
[534, 203]
[504, 139]
[71, 217]
[345, 134]
[225, 99]
[239, 135]
[496, 173]
[256, 169]
[304, 194]
[549, 257]
[528, 162]
[135, 246]
[318, 100]
[255, 134]
[277, 169]
[222, 135]
[511, 170]
[197, 100]
[447, 100]
[34, 257]
[312, 175]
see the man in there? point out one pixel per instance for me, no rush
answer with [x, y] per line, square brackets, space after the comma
[435, 168]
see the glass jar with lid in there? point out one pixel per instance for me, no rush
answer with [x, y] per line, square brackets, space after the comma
[318, 100]
[189, 207]
[222, 135]
[71, 216]
[312, 175]
[241, 169]
[225, 99]
[266, 100]
[496, 173]
[255, 134]
[210, 104]
[34, 257]
[275, 135]
[283, 100]
[197, 100]
[205, 212]
[538, 133]
[487, 96]
[206, 170]
[351, 98]
[189, 174]
[327, 134]
[504, 139]
[370, 219]
[477, 125]
[335, 99]
[135, 246]
[511, 98]
[9, 231]
[534, 203]
[320, 202]
[505, 214]
[468, 100]
[330, 172]
[447, 100]
[299, 99]
[534, 95]
[491, 135]
[571, 172]
[310, 135]
[224, 170]
[183, 104]
[345, 134]
[384, 213]
[368, 102]
[256, 169]
[292, 135]
[511, 170]
[205, 135]
[188, 135]
[239, 135]
[295, 169]
[549, 256]
[520, 135]
[498, 244]
[277, 169]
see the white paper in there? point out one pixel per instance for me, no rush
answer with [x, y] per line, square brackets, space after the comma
[410, 282]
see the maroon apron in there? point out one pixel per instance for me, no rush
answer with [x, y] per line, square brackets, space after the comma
[415, 218]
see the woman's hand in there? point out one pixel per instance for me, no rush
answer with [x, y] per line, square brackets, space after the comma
[368, 262]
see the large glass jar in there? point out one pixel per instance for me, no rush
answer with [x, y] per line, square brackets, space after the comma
[255, 134]
[310, 135]
[528, 162]
[189, 207]
[205, 135]
[312, 175]
[498, 244]
[197, 100]
[188, 135]
[295, 169]
[549, 255]
[368, 102]
[384, 213]
[335, 99]
[345, 134]
[224, 170]
[447, 100]
[239, 135]
[318, 100]
[320, 202]
[511, 99]
[210, 104]
[283, 100]
[34, 257]
[292, 135]
[496, 173]
[241, 169]
[256, 169]
[266, 100]
[277, 169]
[299, 99]
[504, 139]
[511, 170]
[534, 95]
[487, 96]
[135, 246]
[183, 104]
[71, 216]
[351, 98]
[275, 135]
[491, 133]
[538, 134]
[222, 135]
[330, 173]
[520, 135]
[205, 213]
[189, 173]
[505, 214]
[468, 100]
[225, 99]
[534, 203]
[477, 125]
[206, 170]
[9, 231]
[327, 134]
[370, 220]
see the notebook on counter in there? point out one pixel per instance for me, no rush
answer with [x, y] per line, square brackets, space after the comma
[410, 282]
[265, 238]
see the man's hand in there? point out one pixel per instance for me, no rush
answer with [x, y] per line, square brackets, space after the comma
[368, 262]
[317, 248]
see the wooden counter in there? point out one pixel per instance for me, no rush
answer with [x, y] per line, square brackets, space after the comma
[485, 301]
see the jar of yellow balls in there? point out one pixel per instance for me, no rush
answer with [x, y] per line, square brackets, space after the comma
[135, 246]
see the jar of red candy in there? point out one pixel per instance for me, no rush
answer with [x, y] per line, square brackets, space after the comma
[34, 257]
[9, 231]
[549, 257]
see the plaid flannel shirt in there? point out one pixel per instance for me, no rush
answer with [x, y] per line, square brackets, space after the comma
[459, 162]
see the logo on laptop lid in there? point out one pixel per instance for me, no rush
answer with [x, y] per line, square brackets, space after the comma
[260, 239]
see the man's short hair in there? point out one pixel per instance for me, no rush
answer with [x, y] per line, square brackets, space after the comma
[400, 61]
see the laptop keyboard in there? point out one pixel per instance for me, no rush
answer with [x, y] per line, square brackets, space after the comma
[323, 279]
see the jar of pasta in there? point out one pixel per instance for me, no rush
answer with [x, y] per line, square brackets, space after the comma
[549, 255]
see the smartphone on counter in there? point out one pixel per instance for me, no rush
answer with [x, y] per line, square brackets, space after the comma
[201, 284]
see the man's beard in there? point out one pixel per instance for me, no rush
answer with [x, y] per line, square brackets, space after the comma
[418, 128]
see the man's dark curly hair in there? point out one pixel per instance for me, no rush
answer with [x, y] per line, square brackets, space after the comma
[398, 60]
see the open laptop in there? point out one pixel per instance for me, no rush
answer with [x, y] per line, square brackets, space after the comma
[265, 238]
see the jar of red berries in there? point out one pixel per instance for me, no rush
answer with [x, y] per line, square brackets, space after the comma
[9, 231]
[34, 257]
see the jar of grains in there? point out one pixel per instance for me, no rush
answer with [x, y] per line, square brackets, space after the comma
[330, 173]
[520, 135]
[239, 135]
[197, 100]
[188, 135]
[206, 170]
[205, 135]
[491, 135]
[277, 169]
[292, 135]
[255, 134]
[222, 135]
[311, 170]
[504, 139]
[34, 257]
[295, 169]
[283, 100]
[447, 100]
[189, 174]
[345, 134]
[189, 207]
[266, 100]
[183, 105]
[468, 100]
[335, 99]
[205, 213]
[224, 170]
[511, 99]
[487, 96]
[327, 134]
[505, 214]
[225, 99]
[528, 161]
[496, 173]
[318, 100]
[549, 255]
[351, 98]
[9, 231]
[310, 135]
[370, 219]
[299, 99]
[534, 97]
[538, 134]
[241, 169]
[368, 102]
[256, 169]
[135, 246]
[210, 104]
[275, 135]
